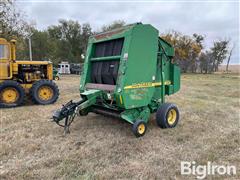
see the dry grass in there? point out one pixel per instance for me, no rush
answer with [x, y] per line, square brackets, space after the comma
[32, 147]
[233, 68]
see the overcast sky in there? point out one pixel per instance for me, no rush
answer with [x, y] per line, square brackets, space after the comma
[214, 19]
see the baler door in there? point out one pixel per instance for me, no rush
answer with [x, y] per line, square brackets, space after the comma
[106, 71]
[109, 72]
[109, 48]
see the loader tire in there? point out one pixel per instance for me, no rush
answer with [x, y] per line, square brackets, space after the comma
[11, 94]
[167, 115]
[44, 92]
[139, 128]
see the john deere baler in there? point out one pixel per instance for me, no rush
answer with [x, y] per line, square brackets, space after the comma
[127, 74]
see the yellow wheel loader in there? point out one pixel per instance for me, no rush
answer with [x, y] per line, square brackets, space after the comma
[20, 78]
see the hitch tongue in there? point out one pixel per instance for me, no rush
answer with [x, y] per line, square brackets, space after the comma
[67, 112]
[66, 126]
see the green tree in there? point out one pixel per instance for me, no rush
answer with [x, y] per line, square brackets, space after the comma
[86, 33]
[205, 62]
[113, 25]
[12, 21]
[40, 45]
[187, 49]
[197, 47]
[219, 53]
[68, 40]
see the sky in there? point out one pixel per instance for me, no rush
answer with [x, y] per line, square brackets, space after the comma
[216, 20]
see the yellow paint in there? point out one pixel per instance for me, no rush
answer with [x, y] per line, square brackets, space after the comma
[5, 63]
[172, 116]
[26, 86]
[9, 95]
[45, 93]
[147, 84]
[50, 72]
[4, 70]
[3, 41]
[34, 62]
[13, 49]
[15, 68]
[120, 97]
[9, 65]
[141, 128]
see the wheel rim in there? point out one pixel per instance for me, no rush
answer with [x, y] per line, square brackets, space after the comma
[141, 128]
[172, 116]
[45, 93]
[9, 95]
[56, 78]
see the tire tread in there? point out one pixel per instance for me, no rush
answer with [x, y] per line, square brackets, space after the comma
[15, 84]
[39, 83]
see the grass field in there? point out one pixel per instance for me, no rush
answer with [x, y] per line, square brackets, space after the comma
[98, 147]
[233, 68]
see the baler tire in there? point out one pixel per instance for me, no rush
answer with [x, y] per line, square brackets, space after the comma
[15, 86]
[139, 128]
[34, 92]
[167, 115]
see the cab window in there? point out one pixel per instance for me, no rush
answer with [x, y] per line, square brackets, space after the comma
[4, 54]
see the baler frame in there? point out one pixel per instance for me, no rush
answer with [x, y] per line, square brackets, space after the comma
[128, 96]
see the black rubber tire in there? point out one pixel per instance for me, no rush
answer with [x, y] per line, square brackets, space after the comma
[18, 87]
[135, 128]
[34, 92]
[162, 114]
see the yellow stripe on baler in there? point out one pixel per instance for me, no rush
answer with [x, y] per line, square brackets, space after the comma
[146, 85]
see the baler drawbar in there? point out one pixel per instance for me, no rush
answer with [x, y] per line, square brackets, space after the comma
[127, 74]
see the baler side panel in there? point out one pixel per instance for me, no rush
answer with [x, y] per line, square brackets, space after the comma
[170, 71]
[141, 66]
[176, 78]
[86, 73]
[122, 70]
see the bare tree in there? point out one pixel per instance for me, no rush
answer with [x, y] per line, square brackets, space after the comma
[229, 57]
[12, 20]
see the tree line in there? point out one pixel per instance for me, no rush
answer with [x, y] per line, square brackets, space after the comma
[191, 55]
[67, 41]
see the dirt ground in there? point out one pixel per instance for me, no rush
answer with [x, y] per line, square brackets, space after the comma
[33, 147]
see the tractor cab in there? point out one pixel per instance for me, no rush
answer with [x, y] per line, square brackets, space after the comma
[4, 51]
[5, 59]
